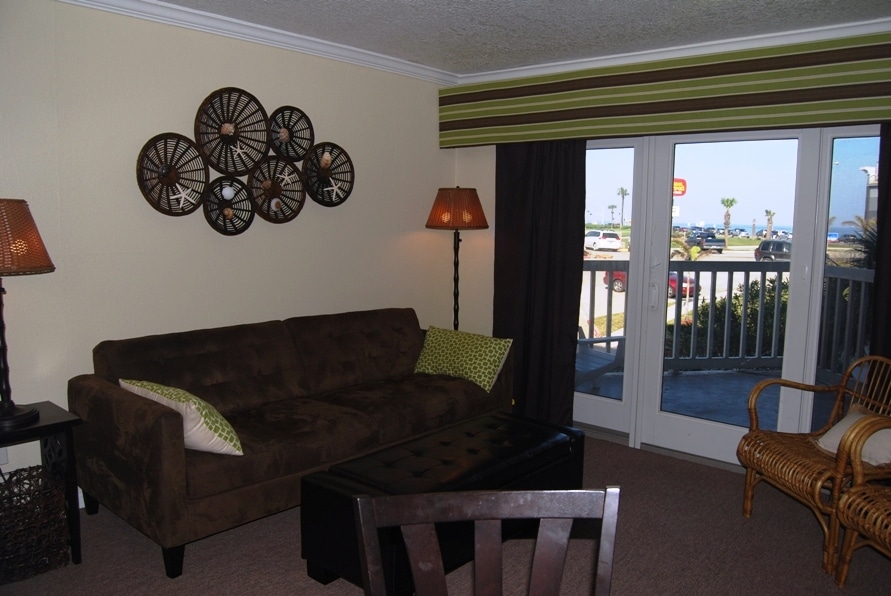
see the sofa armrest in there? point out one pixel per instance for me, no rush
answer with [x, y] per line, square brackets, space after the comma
[131, 456]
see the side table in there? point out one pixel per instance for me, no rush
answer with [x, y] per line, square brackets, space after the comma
[54, 431]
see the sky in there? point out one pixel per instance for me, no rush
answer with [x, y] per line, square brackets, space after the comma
[760, 175]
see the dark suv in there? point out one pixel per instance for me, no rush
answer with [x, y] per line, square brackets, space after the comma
[774, 250]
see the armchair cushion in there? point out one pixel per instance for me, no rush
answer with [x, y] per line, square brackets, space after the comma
[876, 450]
[204, 428]
[477, 358]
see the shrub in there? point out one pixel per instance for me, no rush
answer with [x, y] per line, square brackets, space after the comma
[759, 312]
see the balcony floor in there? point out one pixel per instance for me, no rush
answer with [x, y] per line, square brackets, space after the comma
[721, 396]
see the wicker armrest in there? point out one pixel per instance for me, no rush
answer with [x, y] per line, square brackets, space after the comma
[762, 385]
[850, 448]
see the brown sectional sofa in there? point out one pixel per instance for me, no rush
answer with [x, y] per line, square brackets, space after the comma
[302, 394]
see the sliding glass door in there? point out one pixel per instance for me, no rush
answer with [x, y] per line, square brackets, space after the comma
[709, 275]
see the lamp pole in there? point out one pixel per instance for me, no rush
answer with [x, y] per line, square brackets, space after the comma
[457, 246]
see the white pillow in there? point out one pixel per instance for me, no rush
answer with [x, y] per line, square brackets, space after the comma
[876, 450]
[204, 428]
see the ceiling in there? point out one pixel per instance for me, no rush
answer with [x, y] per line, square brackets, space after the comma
[463, 40]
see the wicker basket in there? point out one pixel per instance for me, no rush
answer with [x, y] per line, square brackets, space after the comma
[33, 524]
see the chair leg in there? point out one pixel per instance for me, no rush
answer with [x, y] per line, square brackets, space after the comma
[830, 545]
[749, 492]
[844, 558]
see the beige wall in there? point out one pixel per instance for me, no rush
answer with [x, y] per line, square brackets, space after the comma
[83, 90]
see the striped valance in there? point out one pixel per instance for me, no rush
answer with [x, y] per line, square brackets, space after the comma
[828, 82]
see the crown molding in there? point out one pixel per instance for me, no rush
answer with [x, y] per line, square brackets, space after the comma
[162, 12]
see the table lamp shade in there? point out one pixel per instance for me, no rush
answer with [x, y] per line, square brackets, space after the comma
[457, 209]
[21, 253]
[21, 249]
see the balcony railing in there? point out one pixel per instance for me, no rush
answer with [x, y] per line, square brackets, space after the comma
[734, 317]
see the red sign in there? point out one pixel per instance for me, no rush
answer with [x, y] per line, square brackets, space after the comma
[679, 187]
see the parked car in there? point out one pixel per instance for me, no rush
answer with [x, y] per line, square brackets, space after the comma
[602, 240]
[706, 241]
[774, 250]
[687, 289]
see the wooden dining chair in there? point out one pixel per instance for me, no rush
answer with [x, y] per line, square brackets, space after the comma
[416, 515]
[800, 464]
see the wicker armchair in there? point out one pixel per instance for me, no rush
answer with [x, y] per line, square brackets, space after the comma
[795, 464]
[864, 510]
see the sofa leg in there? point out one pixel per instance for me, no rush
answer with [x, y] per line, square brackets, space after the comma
[173, 560]
[91, 505]
[320, 574]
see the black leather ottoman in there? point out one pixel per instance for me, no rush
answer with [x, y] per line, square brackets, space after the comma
[498, 451]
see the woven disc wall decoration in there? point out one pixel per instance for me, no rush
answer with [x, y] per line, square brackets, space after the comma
[171, 173]
[291, 132]
[227, 206]
[328, 173]
[232, 130]
[276, 187]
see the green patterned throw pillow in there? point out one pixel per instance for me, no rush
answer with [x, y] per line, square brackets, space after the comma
[470, 356]
[204, 428]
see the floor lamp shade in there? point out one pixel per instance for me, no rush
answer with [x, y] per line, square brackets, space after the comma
[457, 209]
[21, 253]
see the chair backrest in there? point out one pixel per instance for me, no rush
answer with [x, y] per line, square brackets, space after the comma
[417, 514]
[868, 384]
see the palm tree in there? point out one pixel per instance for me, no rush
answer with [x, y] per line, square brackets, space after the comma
[728, 203]
[680, 248]
[612, 215]
[622, 192]
[866, 239]
[769, 214]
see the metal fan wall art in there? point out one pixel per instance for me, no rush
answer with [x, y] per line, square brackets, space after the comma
[227, 206]
[231, 130]
[276, 187]
[291, 132]
[234, 136]
[329, 174]
[171, 174]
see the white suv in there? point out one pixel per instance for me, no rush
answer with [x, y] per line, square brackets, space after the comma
[600, 240]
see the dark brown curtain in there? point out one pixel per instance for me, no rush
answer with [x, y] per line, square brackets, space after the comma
[539, 246]
[880, 342]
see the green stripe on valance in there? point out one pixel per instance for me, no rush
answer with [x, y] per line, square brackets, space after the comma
[841, 81]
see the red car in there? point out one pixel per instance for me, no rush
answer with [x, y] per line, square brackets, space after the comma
[687, 289]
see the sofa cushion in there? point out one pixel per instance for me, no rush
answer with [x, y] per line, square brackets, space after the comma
[232, 368]
[413, 404]
[204, 428]
[347, 349]
[471, 356]
[280, 439]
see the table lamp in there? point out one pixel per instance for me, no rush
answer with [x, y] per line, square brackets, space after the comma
[457, 209]
[21, 253]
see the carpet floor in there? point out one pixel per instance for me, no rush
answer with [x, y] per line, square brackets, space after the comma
[680, 532]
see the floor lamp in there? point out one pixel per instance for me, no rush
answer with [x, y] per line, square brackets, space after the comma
[457, 209]
[21, 253]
